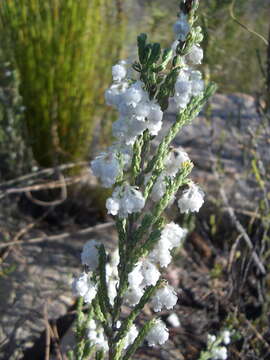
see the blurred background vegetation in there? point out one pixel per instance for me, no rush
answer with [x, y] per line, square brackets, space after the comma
[62, 52]
[231, 53]
[56, 58]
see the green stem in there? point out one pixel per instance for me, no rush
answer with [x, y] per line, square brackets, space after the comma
[156, 165]
[139, 339]
[149, 292]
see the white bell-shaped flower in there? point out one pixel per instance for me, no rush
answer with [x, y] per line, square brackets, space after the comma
[197, 84]
[106, 167]
[80, 285]
[226, 337]
[171, 237]
[150, 273]
[174, 161]
[158, 334]
[159, 189]
[211, 339]
[83, 286]
[161, 254]
[183, 87]
[191, 199]
[127, 129]
[96, 336]
[89, 255]
[135, 277]
[134, 295]
[91, 293]
[220, 353]
[113, 205]
[155, 114]
[195, 56]
[181, 101]
[125, 200]
[164, 297]
[134, 94]
[114, 94]
[172, 234]
[181, 28]
[173, 320]
[154, 128]
[119, 72]
[142, 110]
[112, 289]
[131, 336]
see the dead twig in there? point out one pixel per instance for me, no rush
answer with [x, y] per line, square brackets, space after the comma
[49, 185]
[42, 172]
[56, 341]
[231, 10]
[48, 335]
[30, 226]
[63, 196]
[235, 220]
[242, 231]
[233, 251]
[58, 237]
[21, 233]
[257, 334]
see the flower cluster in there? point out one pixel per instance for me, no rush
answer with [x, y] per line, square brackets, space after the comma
[84, 285]
[96, 336]
[158, 335]
[219, 352]
[125, 200]
[136, 111]
[189, 83]
[216, 346]
[143, 185]
[171, 237]
[173, 162]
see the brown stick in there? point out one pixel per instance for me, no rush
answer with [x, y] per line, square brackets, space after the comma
[37, 187]
[242, 231]
[56, 341]
[58, 237]
[48, 335]
[63, 196]
[22, 232]
[47, 171]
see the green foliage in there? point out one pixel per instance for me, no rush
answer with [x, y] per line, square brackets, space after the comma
[230, 51]
[139, 232]
[63, 50]
[15, 157]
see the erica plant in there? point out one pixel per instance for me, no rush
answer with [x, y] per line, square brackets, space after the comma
[145, 182]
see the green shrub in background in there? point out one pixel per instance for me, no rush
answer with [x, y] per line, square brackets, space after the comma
[62, 50]
[15, 157]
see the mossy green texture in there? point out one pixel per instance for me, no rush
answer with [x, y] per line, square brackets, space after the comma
[63, 50]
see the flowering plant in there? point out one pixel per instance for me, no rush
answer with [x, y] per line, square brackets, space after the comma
[144, 185]
[216, 346]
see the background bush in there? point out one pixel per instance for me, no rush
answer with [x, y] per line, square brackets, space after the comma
[15, 157]
[63, 50]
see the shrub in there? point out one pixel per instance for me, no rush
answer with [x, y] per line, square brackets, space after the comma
[144, 185]
[62, 50]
